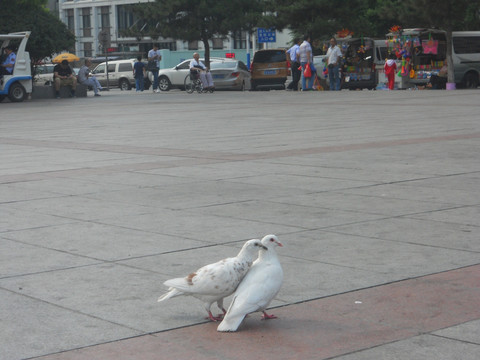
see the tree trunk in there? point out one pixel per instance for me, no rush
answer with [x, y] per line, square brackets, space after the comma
[206, 46]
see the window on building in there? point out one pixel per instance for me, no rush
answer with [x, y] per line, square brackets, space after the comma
[193, 45]
[105, 17]
[217, 43]
[125, 17]
[87, 49]
[86, 22]
[239, 40]
[70, 20]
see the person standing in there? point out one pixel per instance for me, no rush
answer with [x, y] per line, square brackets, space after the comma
[85, 78]
[334, 55]
[154, 58]
[305, 57]
[292, 57]
[390, 70]
[139, 73]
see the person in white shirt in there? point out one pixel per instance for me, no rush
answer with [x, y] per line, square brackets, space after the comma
[154, 57]
[305, 56]
[85, 78]
[292, 57]
[205, 75]
[334, 55]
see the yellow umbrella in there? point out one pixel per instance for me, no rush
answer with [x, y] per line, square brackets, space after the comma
[65, 56]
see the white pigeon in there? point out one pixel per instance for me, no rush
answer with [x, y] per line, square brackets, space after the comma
[215, 281]
[258, 288]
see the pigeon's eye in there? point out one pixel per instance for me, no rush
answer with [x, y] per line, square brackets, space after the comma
[272, 239]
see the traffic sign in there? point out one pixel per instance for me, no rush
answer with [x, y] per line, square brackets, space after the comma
[266, 35]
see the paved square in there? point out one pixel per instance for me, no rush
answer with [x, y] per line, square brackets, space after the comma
[103, 199]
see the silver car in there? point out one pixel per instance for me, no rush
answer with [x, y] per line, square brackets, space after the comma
[230, 74]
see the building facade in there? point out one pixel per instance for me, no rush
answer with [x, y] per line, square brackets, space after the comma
[98, 25]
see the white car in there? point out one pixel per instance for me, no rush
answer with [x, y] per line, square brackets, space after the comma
[120, 73]
[175, 77]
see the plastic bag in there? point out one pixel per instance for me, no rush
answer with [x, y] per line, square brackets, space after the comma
[307, 72]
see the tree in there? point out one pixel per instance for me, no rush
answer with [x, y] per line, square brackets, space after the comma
[448, 15]
[48, 34]
[323, 18]
[199, 20]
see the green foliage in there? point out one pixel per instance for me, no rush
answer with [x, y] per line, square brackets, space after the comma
[455, 15]
[199, 20]
[322, 18]
[49, 35]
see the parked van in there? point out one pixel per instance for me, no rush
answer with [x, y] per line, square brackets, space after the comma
[466, 57]
[359, 65]
[120, 73]
[269, 69]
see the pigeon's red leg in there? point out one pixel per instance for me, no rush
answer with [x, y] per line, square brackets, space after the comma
[265, 316]
[221, 316]
[213, 318]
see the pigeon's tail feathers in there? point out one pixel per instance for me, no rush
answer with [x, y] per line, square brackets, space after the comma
[230, 323]
[182, 284]
[172, 292]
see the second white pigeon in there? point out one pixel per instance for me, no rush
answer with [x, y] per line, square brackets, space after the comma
[215, 281]
[258, 288]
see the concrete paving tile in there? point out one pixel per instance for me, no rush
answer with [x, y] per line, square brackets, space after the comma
[207, 193]
[417, 348]
[113, 293]
[11, 193]
[194, 224]
[15, 219]
[138, 179]
[466, 215]
[81, 207]
[336, 171]
[468, 182]
[17, 258]
[467, 332]
[32, 327]
[306, 217]
[420, 193]
[337, 200]
[102, 242]
[309, 183]
[417, 231]
[401, 260]
[65, 186]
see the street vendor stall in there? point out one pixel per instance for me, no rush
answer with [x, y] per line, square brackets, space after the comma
[422, 53]
[359, 66]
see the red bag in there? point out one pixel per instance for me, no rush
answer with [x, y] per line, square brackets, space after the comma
[307, 72]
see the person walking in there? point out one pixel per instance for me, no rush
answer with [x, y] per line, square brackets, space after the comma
[139, 73]
[154, 58]
[390, 68]
[85, 78]
[305, 57]
[334, 55]
[292, 57]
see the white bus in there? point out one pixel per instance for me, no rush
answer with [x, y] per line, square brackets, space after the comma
[466, 57]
